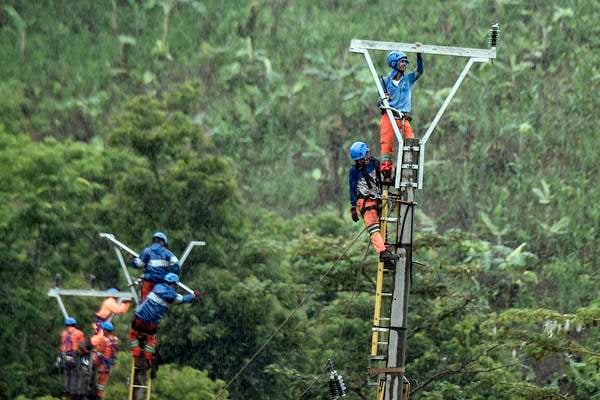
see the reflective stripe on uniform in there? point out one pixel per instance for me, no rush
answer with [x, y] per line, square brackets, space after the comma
[134, 343]
[154, 297]
[173, 260]
[158, 263]
[149, 349]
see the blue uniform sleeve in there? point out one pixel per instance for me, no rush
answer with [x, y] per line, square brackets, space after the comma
[174, 265]
[188, 298]
[352, 184]
[142, 260]
[166, 293]
[420, 68]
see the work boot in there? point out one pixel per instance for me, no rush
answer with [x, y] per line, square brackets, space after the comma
[388, 257]
[386, 169]
[386, 178]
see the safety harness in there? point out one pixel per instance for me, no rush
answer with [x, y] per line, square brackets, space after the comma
[370, 183]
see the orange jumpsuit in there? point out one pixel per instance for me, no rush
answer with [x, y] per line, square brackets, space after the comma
[106, 347]
[369, 210]
[387, 138]
[70, 339]
[109, 306]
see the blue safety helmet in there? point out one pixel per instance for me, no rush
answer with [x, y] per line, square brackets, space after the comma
[171, 278]
[70, 321]
[160, 236]
[107, 326]
[358, 150]
[395, 56]
[112, 290]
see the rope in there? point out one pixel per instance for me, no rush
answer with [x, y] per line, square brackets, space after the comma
[300, 304]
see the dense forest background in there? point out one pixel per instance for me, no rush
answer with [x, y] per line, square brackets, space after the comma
[229, 122]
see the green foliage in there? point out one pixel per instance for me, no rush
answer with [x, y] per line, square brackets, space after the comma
[230, 123]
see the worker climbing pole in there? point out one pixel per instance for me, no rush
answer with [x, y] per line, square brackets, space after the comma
[158, 291]
[390, 320]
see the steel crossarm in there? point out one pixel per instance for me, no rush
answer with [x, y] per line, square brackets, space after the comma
[473, 54]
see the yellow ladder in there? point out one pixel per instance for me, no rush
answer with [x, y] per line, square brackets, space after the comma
[140, 381]
[383, 294]
[391, 213]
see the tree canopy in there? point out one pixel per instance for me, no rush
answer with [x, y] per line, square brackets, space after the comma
[229, 122]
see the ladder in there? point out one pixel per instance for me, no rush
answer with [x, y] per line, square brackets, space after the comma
[396, 228]
[140, 380]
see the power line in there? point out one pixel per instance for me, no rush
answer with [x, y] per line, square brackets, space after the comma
[349, 305]
[300, 304]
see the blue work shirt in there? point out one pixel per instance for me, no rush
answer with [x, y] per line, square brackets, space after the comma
[358, 184]
[157, 261]
[156, 304]
[400, 96]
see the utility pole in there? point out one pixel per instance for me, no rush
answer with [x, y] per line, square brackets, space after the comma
[388, 343]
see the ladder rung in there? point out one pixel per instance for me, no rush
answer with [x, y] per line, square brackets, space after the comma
[408, 184]
[390, 219]
[384, 319]
[410, 166]
[380, 329]
[408, 148]
[383, 343]
[378, 358]
[386, 294]
[140, 386]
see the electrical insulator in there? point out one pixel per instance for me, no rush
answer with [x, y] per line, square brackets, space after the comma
[494, 32]
[334, 393]
[341, 385]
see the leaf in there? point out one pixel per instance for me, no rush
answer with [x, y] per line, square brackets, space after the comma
[316, 174]
[543, 194]
[559, 228]
[561, 13]
[516, 257]
[148, 77]
[298, 86]
[14, 15]
[126, 39]
[495, 230]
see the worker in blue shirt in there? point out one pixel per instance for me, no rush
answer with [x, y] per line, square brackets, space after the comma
[397, 86]
[151, 311]
[157, 261]
[364, 183]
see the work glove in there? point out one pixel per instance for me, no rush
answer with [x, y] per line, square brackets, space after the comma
[354, 213]
[197, 294]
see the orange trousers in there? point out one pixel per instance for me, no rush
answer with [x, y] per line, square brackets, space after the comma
[387, 138]
[147, 287]
[368, 208]
[101, 381]
[146, 332]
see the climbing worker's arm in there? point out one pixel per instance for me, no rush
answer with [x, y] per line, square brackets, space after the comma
[142, 260]
[188, 298]
[420, 67]
[353, 185]
[117, 308]
[97, 338]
